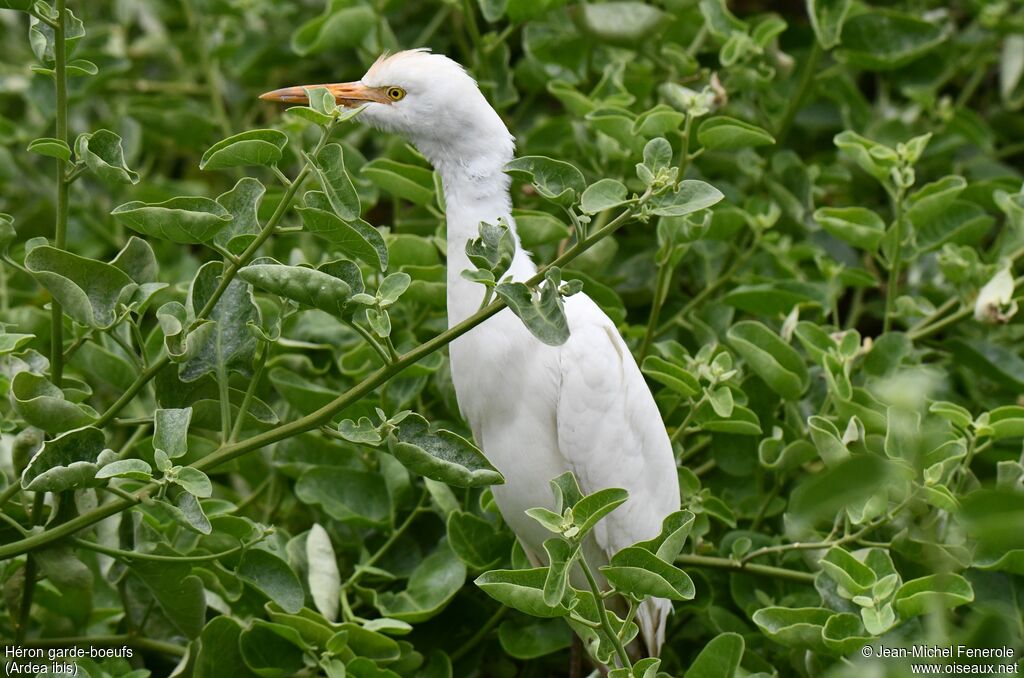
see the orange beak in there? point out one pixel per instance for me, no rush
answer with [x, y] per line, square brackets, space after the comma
[345, 94]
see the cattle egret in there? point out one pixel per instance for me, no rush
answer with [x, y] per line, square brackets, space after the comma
[536, 411]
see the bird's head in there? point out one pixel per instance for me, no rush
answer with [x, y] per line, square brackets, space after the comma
[427, 98]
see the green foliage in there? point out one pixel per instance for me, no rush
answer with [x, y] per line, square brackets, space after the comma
[230, 437]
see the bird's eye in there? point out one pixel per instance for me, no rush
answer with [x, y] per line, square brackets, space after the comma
[395, 93]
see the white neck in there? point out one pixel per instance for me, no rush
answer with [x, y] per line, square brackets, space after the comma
[476, 189]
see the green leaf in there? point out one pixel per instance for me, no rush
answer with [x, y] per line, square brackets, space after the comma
[521, 590]
[170, 431]
[850, 573]
[408, 182]
[675, 528]
[603, 195]
[621, 22]
[798, 628]
[103, 155]
[440, 455]
[691, 196]
[771, 358]
[10, 342]
[323, 577]
[271, 650]
[827, 440]
[336, 183]
[555, 180]
[593, 507]
[338, 28]
[89, 291]
[136, 469]
[494, 250]
[307, 286]
[641, 573]
[671, 375]
[827, 19]
[347, 495]
[433, 583]
[929, 201]
[476, 541]
[229, 345]
[393, 287]
[536, 638]
[40, 403]
[42, 39]
[960, 222]
[542, 312]
[874, 158]
[218, 651]
[850, 481]
[1005, 422]
[719, 658]
[355, 238]
[194, 482]
[561, 557]
[243, 203]
[931, 593]
[177, 591]
[844, 634]
[51, 148]
[183, 220]
[65, 462]
[80, 67]
[857, 226]
[885, 39]
[252, 148]
[189, 512]
[722, 133]
[273, 577]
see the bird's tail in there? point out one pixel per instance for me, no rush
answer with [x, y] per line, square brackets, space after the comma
[652, 618]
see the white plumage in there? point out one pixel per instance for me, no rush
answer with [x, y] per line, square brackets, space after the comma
[535, 410]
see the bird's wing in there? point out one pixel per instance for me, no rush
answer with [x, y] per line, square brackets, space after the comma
[612, 435]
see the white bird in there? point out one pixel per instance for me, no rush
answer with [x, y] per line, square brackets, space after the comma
[535, 410]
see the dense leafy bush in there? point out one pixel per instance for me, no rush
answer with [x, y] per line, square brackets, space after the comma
[231, 442]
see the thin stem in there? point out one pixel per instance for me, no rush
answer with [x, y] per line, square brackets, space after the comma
[311, 421]
[369, 339]
[211, 74]
[942, 310]
[250, 393]
[154, 557]
[934, 327]
[797, 99]
[892, 289]
[362, 567]
[630, 615]
[125, 346]
[686, 420]
[132, 390]
[718, 283]
[9, 492]
[661, 284]
[481, 633]
[602, 613]
[14, 523]
[752, 568]
[828, 543]
[61, 226]
[224, 394]
[435, 22]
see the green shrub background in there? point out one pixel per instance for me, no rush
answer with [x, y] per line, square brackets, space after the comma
[834, 345]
